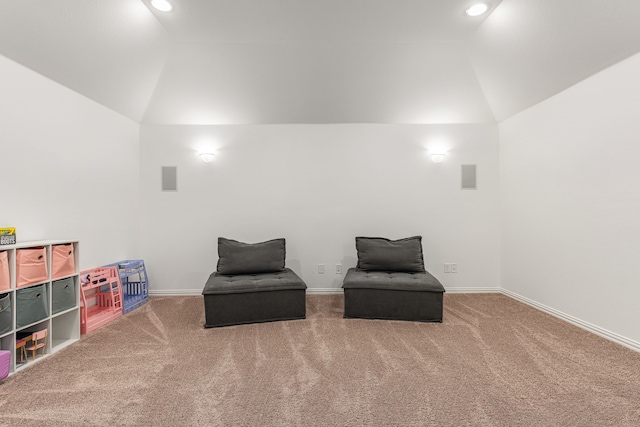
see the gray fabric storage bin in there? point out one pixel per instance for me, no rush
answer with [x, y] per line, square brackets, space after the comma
[32, 305]
[63, 295]
[6, 320]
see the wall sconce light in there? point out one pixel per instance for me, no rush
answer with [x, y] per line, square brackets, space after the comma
[207, 157]
[437, 157]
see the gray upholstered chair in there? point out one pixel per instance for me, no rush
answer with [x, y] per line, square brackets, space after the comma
[391, 282]
[252, 285]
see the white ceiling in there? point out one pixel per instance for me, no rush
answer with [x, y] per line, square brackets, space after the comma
[529, 50]
[304, 21]
[318, 61]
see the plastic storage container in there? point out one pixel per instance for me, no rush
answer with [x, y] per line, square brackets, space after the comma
[62, 261]
[31, 305]
[63, 295]
[135, 283]
[100, 298]
[31, 266]
[6, 319]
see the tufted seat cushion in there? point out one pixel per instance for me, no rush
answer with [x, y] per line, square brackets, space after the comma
[392, 280]
[252, 298]
[392, 295]
[261, 282]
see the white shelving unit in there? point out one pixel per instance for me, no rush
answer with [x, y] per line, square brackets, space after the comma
[63, 325]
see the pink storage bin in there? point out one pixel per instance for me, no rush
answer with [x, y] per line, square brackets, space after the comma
[31, 266]
[5, 363]
[5, 279]
[62, 261]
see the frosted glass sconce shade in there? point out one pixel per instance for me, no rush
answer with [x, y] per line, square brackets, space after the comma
[437, 157]
[207, 157]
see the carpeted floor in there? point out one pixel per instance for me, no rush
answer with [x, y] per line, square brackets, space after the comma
[492, 362]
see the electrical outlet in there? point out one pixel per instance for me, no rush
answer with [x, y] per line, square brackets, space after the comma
[338, 268]
[454, 268]
[447, 268]
[320, 268]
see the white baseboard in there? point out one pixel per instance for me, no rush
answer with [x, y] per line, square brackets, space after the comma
[324, 291]
[611, 336]
[469, 290]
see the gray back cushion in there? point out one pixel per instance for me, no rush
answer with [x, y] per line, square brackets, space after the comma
[248, 258]
[380, 254]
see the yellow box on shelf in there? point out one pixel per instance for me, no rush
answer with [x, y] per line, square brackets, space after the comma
[8, 236]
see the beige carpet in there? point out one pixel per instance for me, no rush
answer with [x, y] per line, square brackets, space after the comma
[492, 362]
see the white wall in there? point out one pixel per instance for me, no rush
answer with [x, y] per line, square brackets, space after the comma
[569, 171]
[69, 167]
[319, 186]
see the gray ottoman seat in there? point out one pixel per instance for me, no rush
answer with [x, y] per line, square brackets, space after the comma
[390, 282]
[252, 285]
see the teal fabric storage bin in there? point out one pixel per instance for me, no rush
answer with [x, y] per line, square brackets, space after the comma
[6, 320]
[63, 295]
[32, 305]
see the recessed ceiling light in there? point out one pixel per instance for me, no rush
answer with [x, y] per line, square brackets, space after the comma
[162, 5]
[477, 9]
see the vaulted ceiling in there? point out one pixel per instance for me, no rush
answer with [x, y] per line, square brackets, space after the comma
[318, 61]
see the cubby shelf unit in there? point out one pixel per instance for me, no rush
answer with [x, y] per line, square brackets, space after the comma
[56, 296]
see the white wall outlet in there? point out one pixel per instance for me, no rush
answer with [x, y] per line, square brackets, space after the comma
[447, 267]
[454, 268]
[338, 268]
[320, 268]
